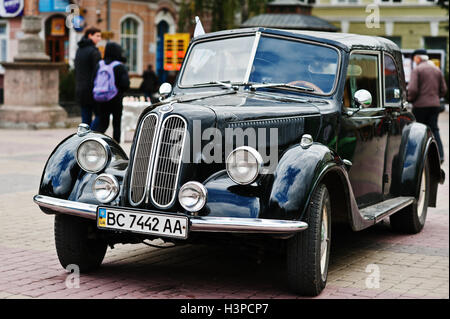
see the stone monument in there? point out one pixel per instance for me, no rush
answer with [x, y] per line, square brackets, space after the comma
[31, 84]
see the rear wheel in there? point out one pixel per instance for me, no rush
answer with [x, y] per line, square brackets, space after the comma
[308, 252]
[77, 243]
[411, 219]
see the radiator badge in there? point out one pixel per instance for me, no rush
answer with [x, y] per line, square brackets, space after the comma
[166, 108]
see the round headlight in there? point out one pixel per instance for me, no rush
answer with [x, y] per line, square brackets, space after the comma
[244, 165]
[192, 196]
[92, 155]
[105, 188]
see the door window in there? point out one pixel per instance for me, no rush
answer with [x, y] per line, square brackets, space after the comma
[391, 82]
[362, 73]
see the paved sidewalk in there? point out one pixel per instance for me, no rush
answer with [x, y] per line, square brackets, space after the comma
[408, 266]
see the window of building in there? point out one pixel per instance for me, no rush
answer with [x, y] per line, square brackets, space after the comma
[391, 1]
[439, 43]
[362, 73]
[3, 43]
[130, 41]
[391, 82]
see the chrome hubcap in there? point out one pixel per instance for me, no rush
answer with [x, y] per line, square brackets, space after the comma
[324, 239]
[421, 200]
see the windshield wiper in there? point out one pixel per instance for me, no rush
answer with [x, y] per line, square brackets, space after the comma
[226, 85]
[254, 87]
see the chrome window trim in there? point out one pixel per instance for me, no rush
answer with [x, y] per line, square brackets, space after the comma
[252, 56]
[156, 160]
[145, 195]
[102, 143]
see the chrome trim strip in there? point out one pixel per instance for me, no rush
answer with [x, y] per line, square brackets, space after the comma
[156, 161]
[197, 224]
[245, 225]
[252, 56]
[67, 207]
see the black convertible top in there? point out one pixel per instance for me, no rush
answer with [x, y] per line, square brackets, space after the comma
[346, 41]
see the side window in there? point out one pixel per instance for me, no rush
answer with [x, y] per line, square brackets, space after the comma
[362, 73]
[391, 82]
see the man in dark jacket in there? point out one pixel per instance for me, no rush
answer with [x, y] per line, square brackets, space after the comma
[103, 110]
[149, 83]
[86, 60]
[426, 86]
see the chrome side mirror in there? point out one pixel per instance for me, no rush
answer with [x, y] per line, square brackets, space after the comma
[164, 90]
[363, 98]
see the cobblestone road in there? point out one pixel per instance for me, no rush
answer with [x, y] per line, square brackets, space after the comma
[409, 266]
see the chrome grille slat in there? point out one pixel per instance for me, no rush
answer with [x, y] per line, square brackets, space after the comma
[142, 159]
[168, 161]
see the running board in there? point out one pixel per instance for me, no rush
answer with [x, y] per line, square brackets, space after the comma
[384, 209]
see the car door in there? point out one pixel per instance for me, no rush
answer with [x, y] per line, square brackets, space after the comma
[363, 134]
[393, 100]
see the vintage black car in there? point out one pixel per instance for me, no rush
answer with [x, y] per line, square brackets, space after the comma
[273, 132]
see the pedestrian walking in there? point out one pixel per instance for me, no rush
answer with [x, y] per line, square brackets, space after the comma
[426, 87]
[86, 59]
[149, 83]
[110, 83]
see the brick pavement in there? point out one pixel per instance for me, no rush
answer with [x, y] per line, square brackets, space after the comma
[409, 266]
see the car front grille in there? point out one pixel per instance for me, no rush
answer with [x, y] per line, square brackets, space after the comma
[142, 159]
[158, 154]
[168, 161]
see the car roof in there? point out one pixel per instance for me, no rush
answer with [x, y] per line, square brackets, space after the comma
[346, 41]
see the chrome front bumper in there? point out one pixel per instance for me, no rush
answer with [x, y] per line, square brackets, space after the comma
[197, 223]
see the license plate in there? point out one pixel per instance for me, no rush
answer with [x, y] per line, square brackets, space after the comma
[163, 225]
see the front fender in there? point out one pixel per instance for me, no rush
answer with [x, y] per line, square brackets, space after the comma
[298, 173]
[63, 178]
[282, 195]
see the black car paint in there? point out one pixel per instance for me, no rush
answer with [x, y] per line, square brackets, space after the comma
[285, 193]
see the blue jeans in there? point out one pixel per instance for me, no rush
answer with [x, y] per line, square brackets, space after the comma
[86, 114]
[429, 116]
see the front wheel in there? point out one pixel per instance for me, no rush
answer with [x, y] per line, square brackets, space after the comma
[76, 243]
[308, 252]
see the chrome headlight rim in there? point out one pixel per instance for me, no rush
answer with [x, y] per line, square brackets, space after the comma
[203, 194]
[114, 183]
[255, 154]
[106, 148]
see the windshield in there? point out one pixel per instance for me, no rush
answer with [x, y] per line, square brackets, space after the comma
[277, 61]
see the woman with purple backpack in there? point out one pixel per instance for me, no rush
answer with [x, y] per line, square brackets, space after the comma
[110, 83]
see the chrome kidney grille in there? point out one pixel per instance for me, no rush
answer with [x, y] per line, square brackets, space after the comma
[168, 161]
[159, 160]
[142, 159]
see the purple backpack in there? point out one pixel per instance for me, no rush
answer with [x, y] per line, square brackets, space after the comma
[104, 84]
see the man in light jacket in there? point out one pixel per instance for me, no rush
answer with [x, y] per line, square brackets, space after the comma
[426, 87]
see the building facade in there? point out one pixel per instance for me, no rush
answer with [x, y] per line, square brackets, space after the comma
[138, 25]
[411, 24]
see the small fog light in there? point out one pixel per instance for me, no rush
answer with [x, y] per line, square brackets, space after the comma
[105, 188]
[192, 196]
